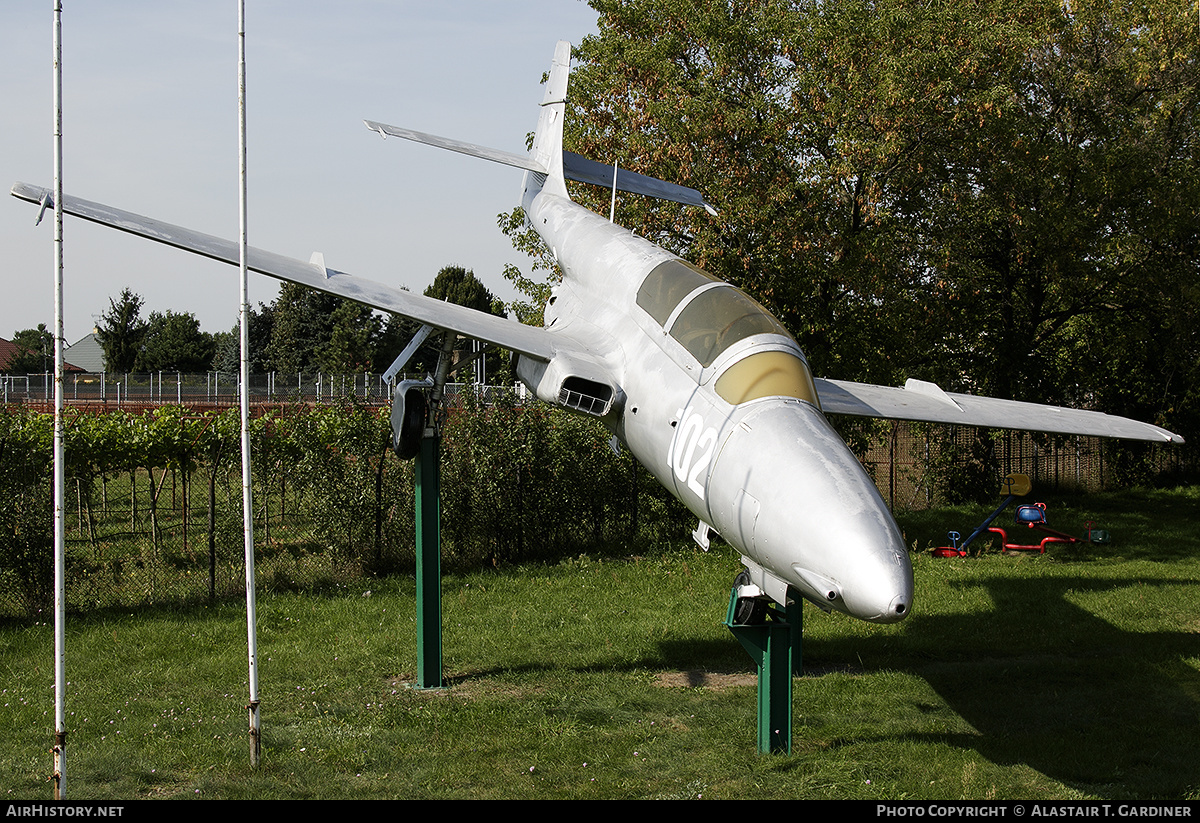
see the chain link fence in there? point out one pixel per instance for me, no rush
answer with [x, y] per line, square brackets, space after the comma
[919, 466]
[210, 389]
[154, 500]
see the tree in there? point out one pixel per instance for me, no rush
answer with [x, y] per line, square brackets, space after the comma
[394, 334]
[811, 126]
[977, 193]
[36, 351]
[532, 309]
[314, 331]
[454, 284]
[173, 341]
[120, 331]
[227, 357]
[302, 327]
[354, 329]
[1060, 229]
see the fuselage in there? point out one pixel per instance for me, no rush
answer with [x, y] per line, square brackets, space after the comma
[715, 399]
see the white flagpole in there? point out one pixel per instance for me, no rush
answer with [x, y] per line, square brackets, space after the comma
[60, 663]
[244, 394]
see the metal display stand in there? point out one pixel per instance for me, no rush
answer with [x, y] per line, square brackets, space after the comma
[775, 645]
[429, 562]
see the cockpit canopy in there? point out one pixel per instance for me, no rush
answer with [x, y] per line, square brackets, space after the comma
[707, 316]
[667, 284]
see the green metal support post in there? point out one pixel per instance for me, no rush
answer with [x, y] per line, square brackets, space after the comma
[429, 563]
[795, 619]
[775, 646]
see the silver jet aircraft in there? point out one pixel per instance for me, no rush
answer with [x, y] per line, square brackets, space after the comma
[708, 390]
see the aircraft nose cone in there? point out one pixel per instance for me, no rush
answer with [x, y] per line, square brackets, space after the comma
[860, 566]
[805, 509]
[893, 612]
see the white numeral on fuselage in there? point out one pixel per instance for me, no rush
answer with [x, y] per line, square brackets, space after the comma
[691, 449]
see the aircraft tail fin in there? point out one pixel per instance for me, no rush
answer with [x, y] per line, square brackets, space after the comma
[548, 139]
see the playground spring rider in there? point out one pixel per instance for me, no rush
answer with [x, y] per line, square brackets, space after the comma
[1032, 516]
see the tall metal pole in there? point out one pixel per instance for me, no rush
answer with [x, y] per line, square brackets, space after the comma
[60, 668]
[244, 394]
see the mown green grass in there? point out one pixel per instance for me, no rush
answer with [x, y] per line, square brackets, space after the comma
[1070, 675]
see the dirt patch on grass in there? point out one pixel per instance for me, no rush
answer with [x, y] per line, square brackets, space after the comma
[463, 684]
[704, 680]
[474, 685]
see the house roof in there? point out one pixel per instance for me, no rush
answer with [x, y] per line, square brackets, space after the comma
[10, 351]
[87, 354]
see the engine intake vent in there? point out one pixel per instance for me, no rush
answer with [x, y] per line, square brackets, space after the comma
[587, 396]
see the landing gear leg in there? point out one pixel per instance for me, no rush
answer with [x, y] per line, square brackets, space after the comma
[747, 610]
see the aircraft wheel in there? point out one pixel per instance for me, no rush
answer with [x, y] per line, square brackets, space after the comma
[748, 611]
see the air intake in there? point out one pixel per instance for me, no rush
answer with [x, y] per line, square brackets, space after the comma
[587, 396]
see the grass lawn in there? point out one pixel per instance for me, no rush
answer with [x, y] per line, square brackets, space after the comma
[1074, 675]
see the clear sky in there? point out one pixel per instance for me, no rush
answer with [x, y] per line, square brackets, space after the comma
[151, 126]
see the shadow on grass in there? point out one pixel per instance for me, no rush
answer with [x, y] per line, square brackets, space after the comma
[692, 659]
[1049, 684]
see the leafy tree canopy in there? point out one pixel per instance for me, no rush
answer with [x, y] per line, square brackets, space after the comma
[458, 285]
[227, 358]
[453, 284]
[36, 347]
[999, 195]
[302, 327]
[173, 341]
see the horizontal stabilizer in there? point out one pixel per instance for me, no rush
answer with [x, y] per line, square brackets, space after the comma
[535, 343]
[580, 169]
[495, 155]
[575, 167]
[926, 403]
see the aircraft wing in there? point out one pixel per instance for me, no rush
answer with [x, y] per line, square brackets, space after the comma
[927, 403]
[527, 340]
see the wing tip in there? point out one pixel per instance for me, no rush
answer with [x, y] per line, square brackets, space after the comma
[28, 191]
